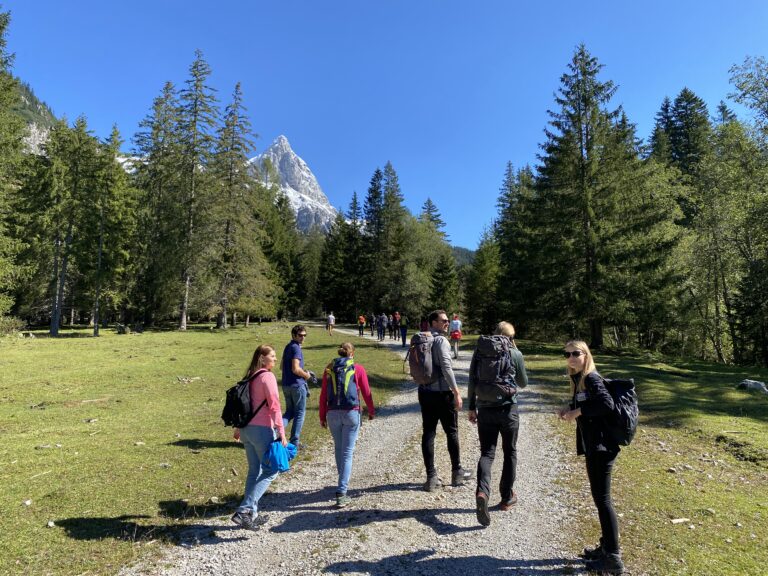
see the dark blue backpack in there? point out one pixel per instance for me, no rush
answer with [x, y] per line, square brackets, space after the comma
[622, 423]
[342, 387]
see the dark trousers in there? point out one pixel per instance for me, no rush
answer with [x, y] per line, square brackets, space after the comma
[360, 328]
[491, 422]
[599, 469]
[438, 407]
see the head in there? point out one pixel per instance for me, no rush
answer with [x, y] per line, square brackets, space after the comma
[346, 350]
[505, 329]
[455, 316]
[298, 333]
[263, 357]
[438, 320]
[579, 360]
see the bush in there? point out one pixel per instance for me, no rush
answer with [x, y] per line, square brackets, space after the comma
[11, 324]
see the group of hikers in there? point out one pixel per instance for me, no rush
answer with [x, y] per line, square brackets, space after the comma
[497, 372]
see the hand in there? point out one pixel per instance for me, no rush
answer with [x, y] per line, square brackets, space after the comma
[472, 416]
[283, 441]
[457, 401]
[236, 434]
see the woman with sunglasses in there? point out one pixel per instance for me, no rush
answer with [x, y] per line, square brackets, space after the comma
[590, 405]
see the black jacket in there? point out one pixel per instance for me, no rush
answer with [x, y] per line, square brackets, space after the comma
[595, 403]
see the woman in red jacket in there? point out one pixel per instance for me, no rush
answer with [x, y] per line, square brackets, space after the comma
[343, 384]
[258, 435]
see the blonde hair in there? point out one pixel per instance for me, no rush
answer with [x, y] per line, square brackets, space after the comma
[346, 350]
[256, 364]
[506, 329]
[589, 364]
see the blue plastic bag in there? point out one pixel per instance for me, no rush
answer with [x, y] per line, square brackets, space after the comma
[278, 456]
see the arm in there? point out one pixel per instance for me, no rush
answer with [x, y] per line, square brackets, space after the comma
[471, 390]
[298, 370]
[446, 368]
[273, 404]
[361, 378]
[600, 400]
[521, 376]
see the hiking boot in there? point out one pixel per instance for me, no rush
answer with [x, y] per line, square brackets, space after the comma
[507, 505]
[481, 507]
[432, 483]
[242, 519]
[593, 553]
[342, 500]
[606, 564]
[460, 476]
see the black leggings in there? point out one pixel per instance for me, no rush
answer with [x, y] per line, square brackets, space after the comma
[599, 469]
[438, 407]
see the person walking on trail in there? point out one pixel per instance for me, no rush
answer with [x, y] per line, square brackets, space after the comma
[265, 426]
[389, 326]
[440, 402]
[381, 325]
[404, 329]
[395, 325]
[331, 323]
[294, 379]
[344, 382]
[371, 322]
[494, 410]
[590, 406]
[455, 334]
[360, 325]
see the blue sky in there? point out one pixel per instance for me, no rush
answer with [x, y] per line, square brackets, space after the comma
[448, 91]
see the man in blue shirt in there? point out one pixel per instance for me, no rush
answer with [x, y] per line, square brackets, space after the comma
[295, 383]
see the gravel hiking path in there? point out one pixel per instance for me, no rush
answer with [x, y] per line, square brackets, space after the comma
[392, 526]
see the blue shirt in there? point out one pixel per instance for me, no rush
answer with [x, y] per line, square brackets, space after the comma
[292, 350]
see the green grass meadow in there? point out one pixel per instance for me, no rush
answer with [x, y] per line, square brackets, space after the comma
[701, 453]
[118, 441]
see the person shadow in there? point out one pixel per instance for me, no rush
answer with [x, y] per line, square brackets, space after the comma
[422, 562]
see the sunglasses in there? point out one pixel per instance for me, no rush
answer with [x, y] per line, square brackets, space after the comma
[575, 353]
[301, 335]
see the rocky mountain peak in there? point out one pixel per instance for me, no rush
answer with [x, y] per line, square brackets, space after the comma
[299, 184]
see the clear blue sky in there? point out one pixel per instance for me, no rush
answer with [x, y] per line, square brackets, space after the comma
[447, 91]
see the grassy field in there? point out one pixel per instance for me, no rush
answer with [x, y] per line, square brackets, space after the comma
[118, 442]
[701, 454]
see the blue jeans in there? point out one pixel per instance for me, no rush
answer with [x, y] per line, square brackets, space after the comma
[404, 333]
[256, 440]
[295, 409]
[344, 426]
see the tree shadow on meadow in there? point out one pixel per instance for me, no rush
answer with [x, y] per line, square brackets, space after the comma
[421, 562]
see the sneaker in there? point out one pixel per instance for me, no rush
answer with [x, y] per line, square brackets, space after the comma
[432, 483]
[606, 564]
[342, 500]
[258, 522]
[481, 507]
[592, 553]
[507, 505]
[242, 518]
[460, 476]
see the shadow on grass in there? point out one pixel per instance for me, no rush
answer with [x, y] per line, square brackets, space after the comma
[421, 562]
[199, 444]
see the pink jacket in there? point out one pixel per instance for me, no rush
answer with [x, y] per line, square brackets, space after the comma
[264, 385]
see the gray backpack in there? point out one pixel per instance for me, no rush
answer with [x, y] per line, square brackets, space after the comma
[419, 359]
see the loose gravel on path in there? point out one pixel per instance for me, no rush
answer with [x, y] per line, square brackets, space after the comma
[393, 526]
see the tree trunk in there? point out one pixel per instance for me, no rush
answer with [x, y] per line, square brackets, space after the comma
[98, 274]
[61, 280]
[184, 303]
[234, 319]
[247, 320]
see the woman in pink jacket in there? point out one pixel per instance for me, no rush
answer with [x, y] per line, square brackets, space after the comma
[344, 383]
[258, 435]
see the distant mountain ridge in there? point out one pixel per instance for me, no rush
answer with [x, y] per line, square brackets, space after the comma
[38, 116]
[300, 186]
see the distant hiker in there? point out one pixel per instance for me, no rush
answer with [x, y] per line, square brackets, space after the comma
[590, 404]
[455, 334]
[395, 325]
[294, 379]
[404, 329]
[360, 325]
[331, 322]
[257, 436]
[344, 381]
[372, 322]
[381, 325]
[440, 401]
[389, 326]
[493, 382]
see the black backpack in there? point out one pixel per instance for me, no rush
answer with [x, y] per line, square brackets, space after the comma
[622, 423]
[494, 370]
[237, 407]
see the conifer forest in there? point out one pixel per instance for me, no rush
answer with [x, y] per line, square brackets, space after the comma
[659, 244]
